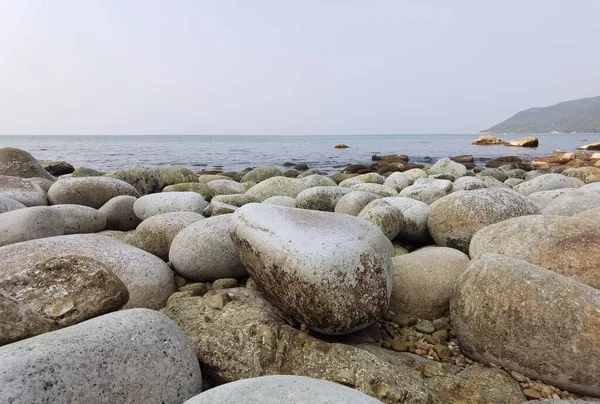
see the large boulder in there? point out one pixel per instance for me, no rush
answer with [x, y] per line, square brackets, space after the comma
[528, 319]
[282, 389]
[547, 182]
[376, 189]
[571, 203]
[226, 187]
[423, 193]
[331, 272]
[81, 219]
[88, 191]
[22, 190]
[397, 181]
[203, 251]
[456, 217]
[260, 174]
[468, 184]
[567, 245]
[57, 293]
[447, 166]
[156, 233]
[7, 204]
[486, 140]
[148, 278]
[415, 214]
[56, 168]
[387, 217]
[528, 141]
[30, 223]
[176, 175]
[166, 202]
[354, 202]
[585, 174]
[119, 213]
[18, 163]
[198, 187]
[320, 198]
[146, 179]
[424, 280]
[284, 186]
[125, 357]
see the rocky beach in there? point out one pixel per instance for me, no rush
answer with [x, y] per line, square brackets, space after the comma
[453, 281]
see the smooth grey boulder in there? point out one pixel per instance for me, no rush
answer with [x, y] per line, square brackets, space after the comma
[457, 217]
[547, 182]
[176, 175]
[260, 174]
[447, 166]
[119, 213]
[218, 208]
[387, 217]
[415, 213]
[320, 198]
[22, 190]
[18, 163]
[566, 245]
[234, 199]
[30, 223]
[329, 271]
[282, 389]
[88, 191]
[156, 233]
[129, 356]
[414, 174]
[513, 182]
[7, 204]
[468, 184]
[166, 202]
[280, 201]
[284, 186]
[434, 182]
[198, 187]
[369, 178]
[571, 203]
[495, 173]
[203, 251]
[148, 278]
[81, 219]
[397, 181]
[43, 183]
[423, 193]
[424, 280]
[354, 202]
[146, 179]
[56, 168]
[514, 314]
[492, 182]
[543, 198]
[226, 187]
[206, 178]
[376, 189]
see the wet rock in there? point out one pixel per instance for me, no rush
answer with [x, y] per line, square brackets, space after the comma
[387, 217]
[286, 246]
[30, 223]
[590, 146]
[84, 362]
[260, 174]
[463, 158]
[88, 191]
[56, 168]
[457, 217]
[156, 233]
[320, 198]
[146, 179]
[148, 279]
[166, 202]
[57, 293]
[7, 204]
[500, 308]
[354, 202]
[119, 213]
[18, 163]
[391, 158]
[529, 141]
[204, 251]
[485, 140]
[424, 280]
[22, 190]
[81, 219]
[301, 167]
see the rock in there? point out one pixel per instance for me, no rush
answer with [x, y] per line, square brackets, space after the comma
[414, 174]
[176, 175]
[81, 219]
[198, 187]
[562, 158]
[457, 217]
[320, 198]
[119, 213]
[391, 158]
[546, 182]
[283, 186]
[127, 237]
[218, 208]
[501, 161]
[415, 213]
[529, 141]
[57, 293]
[468, 184]
[85, 363]
[43, 183]
[279, 389]
[376, 189]
[86, 172]
[146, 179]
[301, 167]
[369, 178]
[591, 146]
[225, 283]
[494, 172]
[234, 175]
[447, 166]
[226, 187]
[88, 191]
[248, 184]
[500, 308]
[568, 246]
[423, 193]
[434, 182]
[354, 202]
[166, 202]
[387, 217]
[348, 289]
[7, 204]
[18, 163]
[397, 181]
[148, 279]
[425, 327]
[341, 146]
[513, 182]
[156, 233]
[338, 178]
[571, 203]
[516, 173]
[260, 174]
[204, 251]
[485, 140]
[22, 190]
[30, 223]
[281, 201]
[590, 216]
[423, 281]
[56, 168]
[585, 174]
[235, 199]
[463, 158]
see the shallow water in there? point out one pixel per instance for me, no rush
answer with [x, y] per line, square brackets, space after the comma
[108, 153]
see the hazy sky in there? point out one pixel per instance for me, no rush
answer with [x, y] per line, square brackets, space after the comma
[289, 67]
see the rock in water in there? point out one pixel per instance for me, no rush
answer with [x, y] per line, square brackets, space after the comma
[282, 389]
[456, 217]
[529, 141]
[331, 272]
[485, 140]
[130, 356]
[19, 163]
[528, 319]
[57, 293]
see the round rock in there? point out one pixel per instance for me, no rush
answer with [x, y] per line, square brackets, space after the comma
[385, 216]
[119, 213]
[156, 233]
[166, 202]
[18, 163]
[415, 213]
[88, 191]
[22, 190]
[146, 179]
[81, 219]
[354, 202]
[547, 182]
[320, 198]
[30, 223]
[7, 204]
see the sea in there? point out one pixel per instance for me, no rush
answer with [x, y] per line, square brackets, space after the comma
[235, 153]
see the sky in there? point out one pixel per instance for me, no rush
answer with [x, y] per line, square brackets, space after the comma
[283, 67]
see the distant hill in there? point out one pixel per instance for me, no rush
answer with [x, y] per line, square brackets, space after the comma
[579, 116]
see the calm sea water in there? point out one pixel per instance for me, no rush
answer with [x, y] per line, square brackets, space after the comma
[108, 153]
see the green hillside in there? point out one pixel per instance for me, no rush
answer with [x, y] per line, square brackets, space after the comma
[580, 116]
